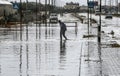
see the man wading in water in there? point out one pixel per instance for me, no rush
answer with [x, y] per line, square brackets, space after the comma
[62, 30]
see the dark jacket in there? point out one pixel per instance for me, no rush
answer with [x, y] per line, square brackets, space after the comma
[63, 26]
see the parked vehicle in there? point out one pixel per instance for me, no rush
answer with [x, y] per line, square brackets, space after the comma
[53, 18]
[108, 16]
[97, 12]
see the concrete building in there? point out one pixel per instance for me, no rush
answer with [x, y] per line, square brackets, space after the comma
[71, 5]
[83, 8]
[6, 8]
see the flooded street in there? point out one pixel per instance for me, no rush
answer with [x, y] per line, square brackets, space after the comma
[59, 38]
[41, 53]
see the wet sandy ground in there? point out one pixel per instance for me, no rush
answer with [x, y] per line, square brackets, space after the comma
[39, 52]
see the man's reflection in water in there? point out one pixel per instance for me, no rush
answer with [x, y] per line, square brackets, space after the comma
[62, 54]
[62, 47]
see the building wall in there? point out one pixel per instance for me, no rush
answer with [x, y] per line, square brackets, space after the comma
[6, 10]
[83, 7]
[71, 5]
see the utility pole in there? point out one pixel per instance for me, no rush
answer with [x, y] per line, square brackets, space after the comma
[117, 5]
[45, 7]
[27, 24]
[49, 7]
[49, 2]
[54, 2]
[105, 2]
[110, 7]
[26, 4]
[88, 17]
[49, 11]
[105, 6]
[46, 12]
[39, 18]
[99, 39]
[36, 20]
[21, 15]
[88, 27]
[99, 33]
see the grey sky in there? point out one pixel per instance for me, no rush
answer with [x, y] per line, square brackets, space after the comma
[60, 2]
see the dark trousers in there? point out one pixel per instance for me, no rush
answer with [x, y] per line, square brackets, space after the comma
[62, 33]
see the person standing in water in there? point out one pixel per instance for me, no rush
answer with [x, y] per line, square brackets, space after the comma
[62, 30]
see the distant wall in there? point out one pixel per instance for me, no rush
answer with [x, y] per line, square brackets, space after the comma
[6, 9]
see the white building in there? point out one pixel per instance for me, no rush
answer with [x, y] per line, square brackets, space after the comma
[71, 5]
[6, 8]
[83, 7]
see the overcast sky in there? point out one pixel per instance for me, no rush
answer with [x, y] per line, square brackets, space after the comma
[62, 2]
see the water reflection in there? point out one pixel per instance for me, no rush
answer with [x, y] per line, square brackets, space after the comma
[5, 32]
[62, 53]
[38, 56]
[76, 30]
[15, 35]
[46, 32]
[27, 32]
[62, 47]
[20, 65]
[39, 30]
[36, 31]
[27, 59]
[49, 31]
[0, 64]
[0, 70]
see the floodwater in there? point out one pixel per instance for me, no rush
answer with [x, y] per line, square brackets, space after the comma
[38, 51]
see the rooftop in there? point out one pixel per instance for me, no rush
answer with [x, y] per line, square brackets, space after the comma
[5, 2]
